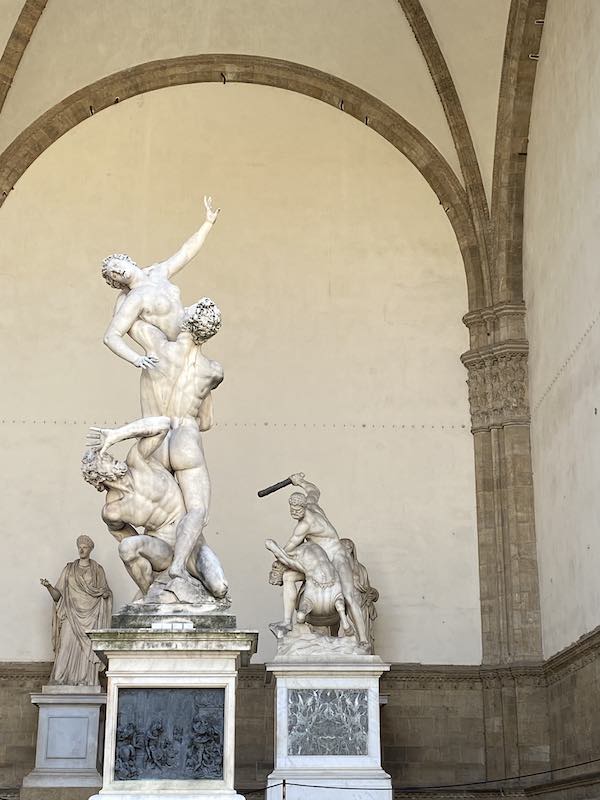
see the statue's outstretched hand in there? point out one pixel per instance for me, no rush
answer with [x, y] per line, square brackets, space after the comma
[45, 582]
[99, 439]
[296, 478]
[211, 213]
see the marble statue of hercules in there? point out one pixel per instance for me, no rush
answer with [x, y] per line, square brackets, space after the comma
[142, 493]
[313, 526]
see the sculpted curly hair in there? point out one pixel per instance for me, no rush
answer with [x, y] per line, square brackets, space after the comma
[202, 320]
[97, 469]
[298, 499]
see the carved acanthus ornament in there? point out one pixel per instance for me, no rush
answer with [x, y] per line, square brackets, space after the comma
[497, 366]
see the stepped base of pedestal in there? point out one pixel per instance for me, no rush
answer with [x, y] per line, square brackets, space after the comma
[197, 794]
[49, 778]
[56, 793]
[327, 784]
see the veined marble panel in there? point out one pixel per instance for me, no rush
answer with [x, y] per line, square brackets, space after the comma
[328, 722]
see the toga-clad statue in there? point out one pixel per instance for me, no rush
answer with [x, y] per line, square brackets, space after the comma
[323, 582]
[82, 602]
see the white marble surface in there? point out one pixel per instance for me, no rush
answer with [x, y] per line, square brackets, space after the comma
[318, 786]
[67, 739]
[171, 659]
[329, 771]
[194, 794]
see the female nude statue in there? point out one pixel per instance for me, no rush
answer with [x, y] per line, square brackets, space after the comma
[148, 294]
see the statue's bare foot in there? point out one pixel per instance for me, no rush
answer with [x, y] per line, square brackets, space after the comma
[366, 646]
[280, 628]
[176, 571]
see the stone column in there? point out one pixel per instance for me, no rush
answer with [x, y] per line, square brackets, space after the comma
[499, 399]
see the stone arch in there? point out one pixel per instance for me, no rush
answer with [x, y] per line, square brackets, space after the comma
[361, 105]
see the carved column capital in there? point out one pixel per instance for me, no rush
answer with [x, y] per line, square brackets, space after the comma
[497, 365]
[498, 390]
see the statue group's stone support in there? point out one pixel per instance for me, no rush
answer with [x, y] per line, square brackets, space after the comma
[327, 731]
[170, 722]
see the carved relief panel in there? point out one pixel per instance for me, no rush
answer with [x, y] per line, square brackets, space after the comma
[174, 734]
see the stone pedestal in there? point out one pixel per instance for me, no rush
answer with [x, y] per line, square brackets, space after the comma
[67, 739]
[327, 741]
[170, 718]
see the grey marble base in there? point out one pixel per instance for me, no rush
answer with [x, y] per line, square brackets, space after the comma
[48, 793]
[67, 738]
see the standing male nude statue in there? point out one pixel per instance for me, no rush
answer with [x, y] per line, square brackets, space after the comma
[313, 526]
[180, 388]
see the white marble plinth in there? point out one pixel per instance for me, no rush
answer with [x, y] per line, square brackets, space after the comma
[146, 667]
[171, 794]
[327, 732]
[67, 738]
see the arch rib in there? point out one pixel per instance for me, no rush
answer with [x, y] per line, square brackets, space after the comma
[217, 68]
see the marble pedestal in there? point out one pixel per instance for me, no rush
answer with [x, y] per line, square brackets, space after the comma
[170, 717]
[327, 741]
[67, 738]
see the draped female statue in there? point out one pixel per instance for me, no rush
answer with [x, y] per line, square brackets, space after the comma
[82, 602]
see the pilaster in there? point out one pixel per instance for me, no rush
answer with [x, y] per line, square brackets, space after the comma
[499, 401]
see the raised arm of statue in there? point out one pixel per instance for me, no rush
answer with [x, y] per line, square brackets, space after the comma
[150, 431]
[54, 592]
[281, 555]
[312, 492]
[191, 247]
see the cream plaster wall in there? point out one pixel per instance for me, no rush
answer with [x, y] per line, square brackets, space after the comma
[562, 287]
[471, 34]
[9, 12]
[367, 43]
[342, 291]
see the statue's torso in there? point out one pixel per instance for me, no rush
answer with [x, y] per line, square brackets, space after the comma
[322, 532]
[198, 376]
[161, 304]
[154, 501]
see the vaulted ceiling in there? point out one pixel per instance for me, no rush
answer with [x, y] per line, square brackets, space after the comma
[460, 72]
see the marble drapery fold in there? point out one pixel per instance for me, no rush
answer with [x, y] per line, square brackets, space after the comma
[82, 607]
